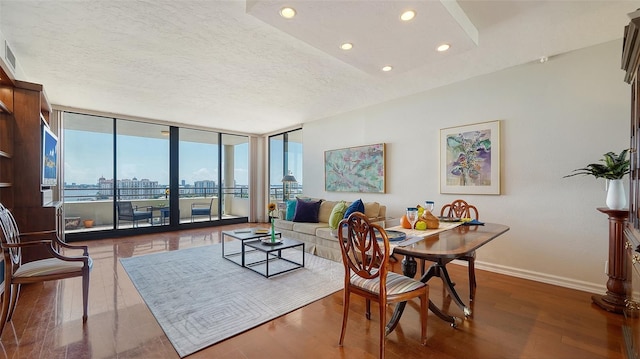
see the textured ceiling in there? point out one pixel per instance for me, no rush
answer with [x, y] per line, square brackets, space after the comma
[239, 67]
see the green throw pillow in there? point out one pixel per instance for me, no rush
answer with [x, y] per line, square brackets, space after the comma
[336, 214]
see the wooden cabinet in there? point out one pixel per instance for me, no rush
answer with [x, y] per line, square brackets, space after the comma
[630, 63]
[23, 108]
[631, 326]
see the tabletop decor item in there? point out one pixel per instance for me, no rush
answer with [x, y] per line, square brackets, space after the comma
[272, 207]
[613, 168]
[470, 159]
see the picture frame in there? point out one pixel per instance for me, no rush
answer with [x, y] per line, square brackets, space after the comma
[470, 159]
[355, 169]
[49, 157]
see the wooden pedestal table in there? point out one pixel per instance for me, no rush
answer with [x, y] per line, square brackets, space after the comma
[614, 299]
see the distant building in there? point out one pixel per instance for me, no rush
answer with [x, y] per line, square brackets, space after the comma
[204, 188]
[131, 188]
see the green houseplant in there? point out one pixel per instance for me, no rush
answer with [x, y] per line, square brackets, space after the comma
[613, 168]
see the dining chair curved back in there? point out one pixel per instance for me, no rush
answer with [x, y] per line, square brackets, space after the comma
[365, 254]
[461, 209]
[56, 267]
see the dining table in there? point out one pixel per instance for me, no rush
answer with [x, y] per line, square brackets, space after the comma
[442, 247]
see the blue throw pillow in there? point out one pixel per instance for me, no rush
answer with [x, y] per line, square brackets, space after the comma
[356, 206]
[307, 211]
[291, 209]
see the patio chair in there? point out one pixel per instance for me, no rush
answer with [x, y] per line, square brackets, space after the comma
[126, 212]
[366, 274]
[56, 267]
[201, 209]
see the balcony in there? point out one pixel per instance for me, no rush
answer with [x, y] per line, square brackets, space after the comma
[99, 207]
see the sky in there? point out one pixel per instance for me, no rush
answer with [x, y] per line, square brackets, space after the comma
[89, 156]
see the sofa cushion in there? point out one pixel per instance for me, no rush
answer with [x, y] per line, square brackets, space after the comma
[325, 211]
[308, 228]
[356, 206]
[337, 214]
[307, 211]
[283, 224]
[291, 209]
[328, 234]
[372, 209]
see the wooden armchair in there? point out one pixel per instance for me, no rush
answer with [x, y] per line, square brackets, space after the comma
[366, 274]
[462, 209]
[57, 267]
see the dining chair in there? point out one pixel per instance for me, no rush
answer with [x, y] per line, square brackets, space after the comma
[201, 209]
[461, 209]
[58, 266]
[365, 255]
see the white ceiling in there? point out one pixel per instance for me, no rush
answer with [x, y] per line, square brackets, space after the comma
[238, 66]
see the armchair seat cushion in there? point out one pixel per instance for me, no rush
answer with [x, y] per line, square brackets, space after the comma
[49, 266]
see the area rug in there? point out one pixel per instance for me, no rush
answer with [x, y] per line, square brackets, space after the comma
[199, 298]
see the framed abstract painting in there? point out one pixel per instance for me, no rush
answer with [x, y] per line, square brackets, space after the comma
[470, 159]
[355, 169]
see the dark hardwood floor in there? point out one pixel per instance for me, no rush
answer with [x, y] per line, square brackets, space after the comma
[513, 318]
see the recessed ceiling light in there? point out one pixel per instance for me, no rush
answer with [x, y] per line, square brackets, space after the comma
[287, 12]
[164, 133]
[346, 46]
[443, 47]
[387, 68]
[408, 15]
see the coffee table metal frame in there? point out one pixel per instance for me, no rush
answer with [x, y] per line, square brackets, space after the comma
[242, 235]
[275, 251]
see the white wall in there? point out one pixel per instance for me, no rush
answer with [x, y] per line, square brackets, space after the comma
[556, 117]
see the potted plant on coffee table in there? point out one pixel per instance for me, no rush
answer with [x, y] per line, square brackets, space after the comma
[613, 168]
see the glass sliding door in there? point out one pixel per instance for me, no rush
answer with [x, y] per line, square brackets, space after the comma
[88, 172]
[235, 176]
[294, 163]
[142, 173]
[200, 176]
[285, 165]
[125, 175]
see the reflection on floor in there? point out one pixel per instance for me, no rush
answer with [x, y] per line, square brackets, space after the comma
[128, 225]
[513, 318]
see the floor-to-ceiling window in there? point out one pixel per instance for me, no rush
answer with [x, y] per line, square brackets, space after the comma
[199, 173]
[142, 173]
[126, 175]
[88, 171]
[235, 175]
[285, 165]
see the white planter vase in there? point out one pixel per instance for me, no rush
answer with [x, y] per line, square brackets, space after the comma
[616, 198]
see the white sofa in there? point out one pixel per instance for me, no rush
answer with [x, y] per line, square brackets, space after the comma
[319, 239]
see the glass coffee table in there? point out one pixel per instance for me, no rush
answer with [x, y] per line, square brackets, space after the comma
[238, 257]
[279, 257]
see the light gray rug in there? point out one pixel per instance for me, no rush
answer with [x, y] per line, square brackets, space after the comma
[199, 298]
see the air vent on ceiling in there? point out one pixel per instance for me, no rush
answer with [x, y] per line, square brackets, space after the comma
[9, 56]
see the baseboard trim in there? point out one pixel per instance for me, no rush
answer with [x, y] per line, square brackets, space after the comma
[539, 277]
